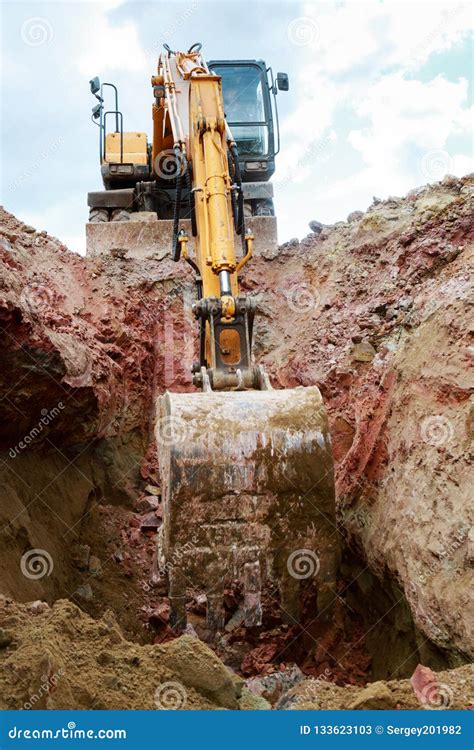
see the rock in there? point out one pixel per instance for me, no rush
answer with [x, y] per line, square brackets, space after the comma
[258, 657]
[198, 667]
[95, 565]
[5, 638]
[239, 683]
[363, 352]
[251, 702]
[84, 592]
[405, 303]
[450, 180]
[37, 607]
[272, 686]
[28, 229]
[316, 227]
[81, 556]
[375, 696]
[189, 630]
[424, 683]
[355, 216]
[152, 490]
[235, 621]
[150, 522]
[147, 504]
[160, 615]
[118, 252]
[407, 238]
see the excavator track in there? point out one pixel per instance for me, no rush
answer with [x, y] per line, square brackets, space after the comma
[248, 497]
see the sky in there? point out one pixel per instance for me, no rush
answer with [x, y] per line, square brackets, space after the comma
[380, 97]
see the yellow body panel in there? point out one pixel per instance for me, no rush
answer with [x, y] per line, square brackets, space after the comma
[134, 148]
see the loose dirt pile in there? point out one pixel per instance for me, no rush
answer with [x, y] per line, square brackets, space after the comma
[375, 312]
[60, 658]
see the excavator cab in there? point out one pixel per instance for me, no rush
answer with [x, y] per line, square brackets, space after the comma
[250, 106]
[249, 90]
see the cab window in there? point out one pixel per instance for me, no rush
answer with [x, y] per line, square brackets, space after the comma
[244, 107]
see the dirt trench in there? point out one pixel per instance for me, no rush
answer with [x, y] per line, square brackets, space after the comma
[87, 346]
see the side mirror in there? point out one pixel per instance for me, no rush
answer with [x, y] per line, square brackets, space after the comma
[96, 111]
[94, 83]
[283, 82]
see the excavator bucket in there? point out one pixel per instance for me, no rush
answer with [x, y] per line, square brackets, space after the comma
[248, 497]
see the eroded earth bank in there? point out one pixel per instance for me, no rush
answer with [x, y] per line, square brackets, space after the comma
[376, 312]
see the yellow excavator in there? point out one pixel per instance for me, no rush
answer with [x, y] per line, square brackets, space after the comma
[246, 470]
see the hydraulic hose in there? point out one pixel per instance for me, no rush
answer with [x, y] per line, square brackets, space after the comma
[189, 186]
[177, 204]
[240, 223]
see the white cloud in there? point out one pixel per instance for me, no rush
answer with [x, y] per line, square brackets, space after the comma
[405, 112]
[362, 59]
[111, 47]
[358, 34]
[305, 132]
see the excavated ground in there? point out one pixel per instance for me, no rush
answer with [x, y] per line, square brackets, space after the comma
[375, 312]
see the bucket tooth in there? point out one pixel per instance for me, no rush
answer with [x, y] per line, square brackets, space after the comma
[177, 597]
[252, 594]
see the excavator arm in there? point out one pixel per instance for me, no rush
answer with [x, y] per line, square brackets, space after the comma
[190, 106]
